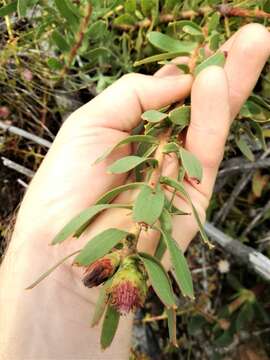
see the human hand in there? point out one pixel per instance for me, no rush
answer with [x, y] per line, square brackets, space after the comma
[67, 182]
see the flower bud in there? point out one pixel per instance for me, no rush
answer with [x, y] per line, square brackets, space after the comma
[100, 270]
[128, 289]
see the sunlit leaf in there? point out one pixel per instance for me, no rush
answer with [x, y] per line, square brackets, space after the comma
[170, 147]
[82, 220]
[217, 59]
[169, 44]
[148, 205]
[191, 30]
[153, 116]
[22, 7]
[109, 326]
[159, 57]
[180, 116]
[213, 22]
[191, 165]
[65, 8]
[128, 163]
[99, 246]
[159, 279]
[111, 194]
[60, 41]
[148, 139]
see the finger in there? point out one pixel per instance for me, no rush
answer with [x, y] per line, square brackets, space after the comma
[210, 122]
[246, 58]
[120, 105]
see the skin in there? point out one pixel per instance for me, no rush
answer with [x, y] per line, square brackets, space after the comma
[51, 321]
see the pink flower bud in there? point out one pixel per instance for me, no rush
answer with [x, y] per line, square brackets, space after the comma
[100, 270]
[129, 289]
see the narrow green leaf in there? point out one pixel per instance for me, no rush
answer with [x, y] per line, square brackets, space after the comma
[179, 187]
[9, 8]
[153, 116]
[159, 279]
[48, 272]
[54, 64]
[148, 139]
[166, 221]
[179, 263]
[161, 248]
[159, 57]
[109, 327]
[244, 148]
[101, 303]
[128, 163]
[110, 195]
[191, 165]
[83, 219]
[180, 115]
[60, 41]
[99, 246]
[169, 44]
[170, 147]
[171, 314]
[192, 30]
[213, 22]
[65, 8]
[22, 7]
[217, 59]
[125, 19]
[148, 205]
[182, 23]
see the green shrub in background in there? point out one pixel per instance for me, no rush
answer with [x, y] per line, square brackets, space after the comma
[57, 54]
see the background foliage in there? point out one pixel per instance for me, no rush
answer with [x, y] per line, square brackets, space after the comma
[56, 55]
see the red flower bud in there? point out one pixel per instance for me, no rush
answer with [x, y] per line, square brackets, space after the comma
[100, 270]
[128, 290]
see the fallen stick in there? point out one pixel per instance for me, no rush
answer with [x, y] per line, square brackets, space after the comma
[25, 134]
[256, 261]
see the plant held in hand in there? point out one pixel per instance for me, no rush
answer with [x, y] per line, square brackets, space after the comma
[111, 259]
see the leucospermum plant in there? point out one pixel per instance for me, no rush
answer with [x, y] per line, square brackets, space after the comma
[111, 259]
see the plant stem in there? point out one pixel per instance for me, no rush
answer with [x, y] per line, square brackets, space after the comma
[159, 156]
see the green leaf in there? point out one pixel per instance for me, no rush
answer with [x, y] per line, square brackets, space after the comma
[8, 9]
[99, 246]
[191, 30]
[171, 314]
[217, 59]
[60, 41]
[214, 40]
[101, 303]
[191, 165]
[180, 116]
[244, 148]
[65, 8]
[148, 205]
[110, 195]
[48, 272]
[22, 7]
[128, 140]
[161, 248]
[83, 219]
[125, 19]
[128, 163]
[169, 44]
[159, 279]
[178, 25]
[109, 327]
[166, 221]
[54, 64]
[170, 147]
[159, 57]
[213, 22]
[182, 273]
[153, 116]
[179, 187]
